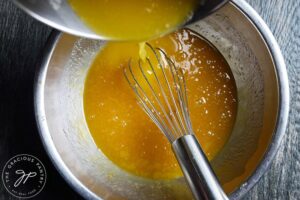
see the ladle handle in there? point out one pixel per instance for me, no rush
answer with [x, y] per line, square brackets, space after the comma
[197, 170]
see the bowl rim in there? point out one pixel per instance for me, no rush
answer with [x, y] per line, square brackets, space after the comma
[280, 127]
[283, 103]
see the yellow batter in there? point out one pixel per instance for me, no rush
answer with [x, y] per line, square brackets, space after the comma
[126, 135]
[133, 19]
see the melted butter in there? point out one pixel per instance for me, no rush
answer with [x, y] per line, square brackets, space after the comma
[142, 51]
[133, 19]
[126, 135]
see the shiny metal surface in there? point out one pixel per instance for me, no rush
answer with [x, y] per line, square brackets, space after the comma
[59, 15]
[284, 97]
[56, 14]
[197, 170]
[262, 79]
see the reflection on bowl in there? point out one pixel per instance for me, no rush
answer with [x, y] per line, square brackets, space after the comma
[257, 66]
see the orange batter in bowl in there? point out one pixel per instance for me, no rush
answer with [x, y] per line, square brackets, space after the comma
[125, 134]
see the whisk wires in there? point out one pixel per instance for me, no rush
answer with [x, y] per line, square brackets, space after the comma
[160, 88]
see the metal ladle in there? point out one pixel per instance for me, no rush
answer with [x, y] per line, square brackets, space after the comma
[59, 15]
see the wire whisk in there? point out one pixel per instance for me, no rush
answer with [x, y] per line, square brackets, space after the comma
[161, 91]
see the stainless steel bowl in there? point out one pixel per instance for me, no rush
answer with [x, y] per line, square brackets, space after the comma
[263, 104]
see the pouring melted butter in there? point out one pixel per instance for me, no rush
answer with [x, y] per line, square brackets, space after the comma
[133, 19]
[126, 135]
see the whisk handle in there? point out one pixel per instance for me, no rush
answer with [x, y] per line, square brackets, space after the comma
[197, 170]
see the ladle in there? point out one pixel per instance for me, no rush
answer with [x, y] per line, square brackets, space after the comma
[59, 15]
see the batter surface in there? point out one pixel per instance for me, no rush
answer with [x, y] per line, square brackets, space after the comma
[125, 134]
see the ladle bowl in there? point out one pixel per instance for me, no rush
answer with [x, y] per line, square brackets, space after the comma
[59, 15]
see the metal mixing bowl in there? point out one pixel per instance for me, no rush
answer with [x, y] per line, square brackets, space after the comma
[263, 104]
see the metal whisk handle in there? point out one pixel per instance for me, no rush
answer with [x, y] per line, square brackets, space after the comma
[197, 170]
